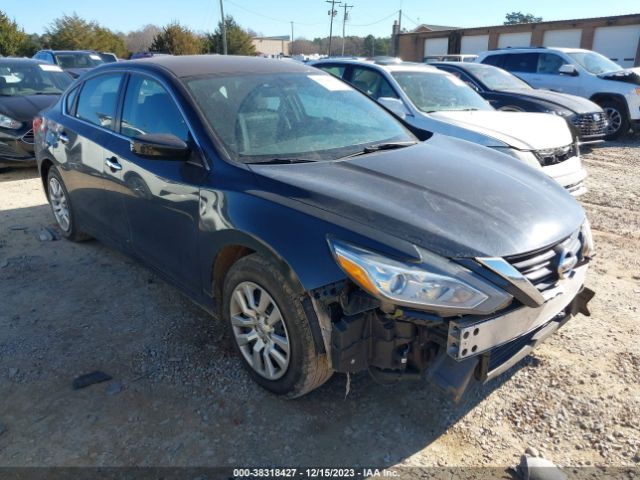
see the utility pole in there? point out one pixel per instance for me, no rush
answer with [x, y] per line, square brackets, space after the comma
[332, 13]
[344, 22]
[291, 44]
[396, 47]
[224, 30]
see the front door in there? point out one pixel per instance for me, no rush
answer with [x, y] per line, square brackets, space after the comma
[157, 198]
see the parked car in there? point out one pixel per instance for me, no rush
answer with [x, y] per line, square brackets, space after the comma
[108, 57]
[579, 72]
[326, 236]
[74, 62]
[138, 55]
[450, 58]
[435, 101]
[26, 87]
[508, 93]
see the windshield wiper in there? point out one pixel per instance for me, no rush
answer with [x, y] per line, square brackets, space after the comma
[381, 146]
[280, 161]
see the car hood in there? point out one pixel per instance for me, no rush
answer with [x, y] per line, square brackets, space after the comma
[24, 108]
[570, 102]
[520, 130]
[449, 196]
[628, 75]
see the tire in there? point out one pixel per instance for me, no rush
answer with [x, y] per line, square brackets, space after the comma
[617, 113]
[305, 370]
[59, 201]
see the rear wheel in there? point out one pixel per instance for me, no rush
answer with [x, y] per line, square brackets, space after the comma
[618, 118]
[62, 208]
[270, 330]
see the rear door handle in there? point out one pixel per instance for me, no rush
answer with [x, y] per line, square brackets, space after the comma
[113, 164]
[63, 138]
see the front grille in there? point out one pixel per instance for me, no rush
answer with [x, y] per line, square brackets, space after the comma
[590, 124]
[7, 151]
[554, 156]
[28, 137]
[541, 267]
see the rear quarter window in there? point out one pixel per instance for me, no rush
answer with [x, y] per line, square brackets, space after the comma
[521, 62]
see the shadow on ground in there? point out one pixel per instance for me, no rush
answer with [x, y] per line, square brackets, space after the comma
[178, 395]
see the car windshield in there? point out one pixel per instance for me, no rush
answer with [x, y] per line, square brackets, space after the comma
[439, 91]
[297, 116]
[594, 62]
[496, 78]
[31, 78]
[78, 59]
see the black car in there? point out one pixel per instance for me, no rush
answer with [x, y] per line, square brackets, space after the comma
[507, 92]
[313, 222]
[74, 62]
[26, 87]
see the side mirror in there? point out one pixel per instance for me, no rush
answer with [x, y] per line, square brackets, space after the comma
[160, 146]
[395, 105]
[568, 69]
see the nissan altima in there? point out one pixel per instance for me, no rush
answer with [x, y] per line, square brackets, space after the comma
[313, 223]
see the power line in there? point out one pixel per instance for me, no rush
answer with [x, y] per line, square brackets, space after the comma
[409, 18]
[278, 20]
[377, 21]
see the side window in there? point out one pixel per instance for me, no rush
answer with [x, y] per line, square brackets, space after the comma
[335, 70]
[495, 60]
[372, 83]
[98, 99]
[550, 63]
[522, 62]
[70, 100]
[148, 108]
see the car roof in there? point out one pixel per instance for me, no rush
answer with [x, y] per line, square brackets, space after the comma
[390, 67]
[533, 49]
[6, 60]
[215, 65]
[69, 51]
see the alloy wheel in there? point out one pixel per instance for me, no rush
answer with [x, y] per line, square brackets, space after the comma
[259, 330]
[615, 120]
[59, 204]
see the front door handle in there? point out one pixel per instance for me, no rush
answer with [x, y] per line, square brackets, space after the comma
[113, 164]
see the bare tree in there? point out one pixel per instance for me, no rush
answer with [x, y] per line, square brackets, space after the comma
[141, 40]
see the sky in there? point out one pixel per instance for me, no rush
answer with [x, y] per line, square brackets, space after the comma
[310, 17]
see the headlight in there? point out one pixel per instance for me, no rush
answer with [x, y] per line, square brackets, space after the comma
[435, 284]
[10, 123]
[588, 247]
[525, 157]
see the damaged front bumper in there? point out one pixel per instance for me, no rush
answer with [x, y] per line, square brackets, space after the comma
[396, 345]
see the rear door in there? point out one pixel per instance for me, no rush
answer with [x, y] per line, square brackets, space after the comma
[525, 66]
[548, 74]
[158, 199]
[78, 145]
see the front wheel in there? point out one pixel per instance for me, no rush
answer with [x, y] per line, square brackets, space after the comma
[270, 330]
[618, 119]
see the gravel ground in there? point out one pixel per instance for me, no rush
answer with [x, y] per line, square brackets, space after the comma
[179, 397]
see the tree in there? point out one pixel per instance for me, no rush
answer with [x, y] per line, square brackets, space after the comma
[70, 32]
[177, 40]
[12, 38]
[104, 40]
[238, 40]
[141, 40]
[515, 18]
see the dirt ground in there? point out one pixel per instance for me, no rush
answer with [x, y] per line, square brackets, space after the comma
[179, 397]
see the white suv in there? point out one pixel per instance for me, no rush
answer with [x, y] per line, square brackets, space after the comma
[580, 72]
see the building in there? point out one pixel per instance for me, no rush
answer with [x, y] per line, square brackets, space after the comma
[615, 37]
[272, 46]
